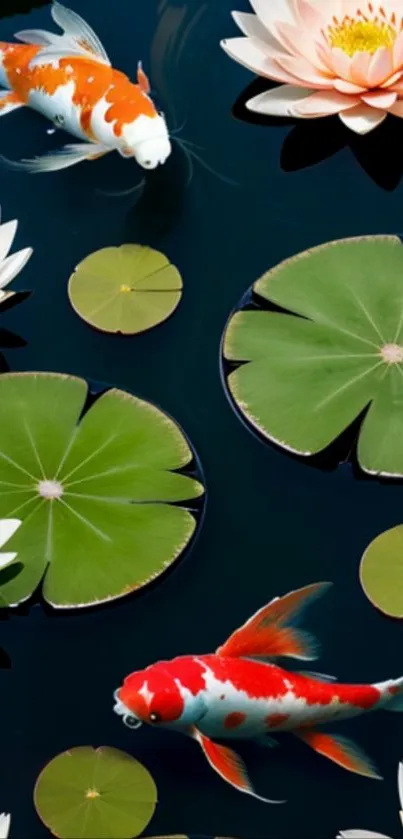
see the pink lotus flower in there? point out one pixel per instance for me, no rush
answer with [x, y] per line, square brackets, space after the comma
[333, 57]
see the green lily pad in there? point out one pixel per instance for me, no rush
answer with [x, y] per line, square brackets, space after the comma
[381, 572]
[127, 289]
[86, 793]
[97, 490]
[305, 374]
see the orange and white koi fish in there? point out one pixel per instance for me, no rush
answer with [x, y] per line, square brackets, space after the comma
[69, 79]
[230, 694]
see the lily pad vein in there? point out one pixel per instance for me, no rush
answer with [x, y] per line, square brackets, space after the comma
[347, 385]
[17, 465]
[367, 315]
[34, 449]
[87, 522]
[91, 456]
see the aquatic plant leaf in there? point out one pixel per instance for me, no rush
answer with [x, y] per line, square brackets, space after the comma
[127, 289]
[97, 492]
[304, 375]
[381, 572]
[87, 792]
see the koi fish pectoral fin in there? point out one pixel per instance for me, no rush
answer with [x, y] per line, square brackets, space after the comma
[9, 101]
[228, 765]
[270, 633]
[67, 156]
[340, 750]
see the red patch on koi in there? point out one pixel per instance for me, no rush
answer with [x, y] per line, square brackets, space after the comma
[394, 689]
[273, 720]
[189, 672]
[234, 720]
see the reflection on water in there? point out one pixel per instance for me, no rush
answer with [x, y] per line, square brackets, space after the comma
[312, 141]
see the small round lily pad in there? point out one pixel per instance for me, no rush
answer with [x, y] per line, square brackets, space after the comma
[104, 793]
[126, 290]
[381, 572]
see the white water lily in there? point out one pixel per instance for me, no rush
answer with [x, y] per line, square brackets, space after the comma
[5, 820]
[10, 266]
[369, 834]
[7, 529]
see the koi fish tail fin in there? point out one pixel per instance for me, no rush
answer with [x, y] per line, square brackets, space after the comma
[271, 633]
[392, 695]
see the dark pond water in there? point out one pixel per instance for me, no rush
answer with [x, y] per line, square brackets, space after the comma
[273, 523]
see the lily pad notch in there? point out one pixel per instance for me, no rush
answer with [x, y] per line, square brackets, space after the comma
[331, 352]
[125, 290]
[106, 490]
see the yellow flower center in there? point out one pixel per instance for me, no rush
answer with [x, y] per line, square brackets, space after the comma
[353, 36]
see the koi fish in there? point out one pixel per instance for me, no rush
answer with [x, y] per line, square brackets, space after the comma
[69, 79]
[231, 694]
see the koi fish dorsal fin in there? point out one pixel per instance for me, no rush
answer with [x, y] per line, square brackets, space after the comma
[78, 39]
[78, 30]
[340, 750]
[228, 765]
[270, 634]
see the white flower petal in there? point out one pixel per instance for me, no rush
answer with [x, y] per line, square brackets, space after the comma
[6, 559]
[280, 101]
[7, 529]
[13, 265]
[5, 820]
[400, 783]
[272, 11]
[7, 233]
[251, 26]
[255, 56]
[362, 119]
[360, 834]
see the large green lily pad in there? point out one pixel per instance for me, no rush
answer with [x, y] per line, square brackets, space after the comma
[302, 380]
[381, 572]
[127, 289]
[88, 793]
[97, 490]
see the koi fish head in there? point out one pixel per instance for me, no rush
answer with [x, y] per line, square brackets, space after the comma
[156, 697]
[147, 140]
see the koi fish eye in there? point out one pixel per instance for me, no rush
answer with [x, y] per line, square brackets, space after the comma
[155, 718]
[59, 120]
[131, 722]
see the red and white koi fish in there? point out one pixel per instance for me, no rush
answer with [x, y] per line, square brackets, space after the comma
[69, 79]
[230, 694]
